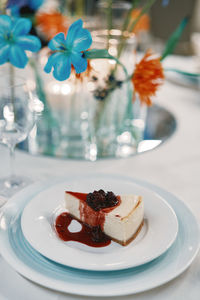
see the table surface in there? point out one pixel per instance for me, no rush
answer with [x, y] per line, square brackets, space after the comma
[178, 160]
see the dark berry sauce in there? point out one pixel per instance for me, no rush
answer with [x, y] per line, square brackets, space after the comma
[88, 235]
[99, 200]
[93, 208]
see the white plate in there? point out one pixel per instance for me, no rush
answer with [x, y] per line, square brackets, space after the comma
[24, 259]
[157, 235]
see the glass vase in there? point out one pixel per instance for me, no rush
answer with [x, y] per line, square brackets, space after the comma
[92, 115]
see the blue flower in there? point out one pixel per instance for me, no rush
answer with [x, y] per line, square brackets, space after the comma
[69, 51]
[14, 40]
[16, 5]
[19, 3]
[33, 4]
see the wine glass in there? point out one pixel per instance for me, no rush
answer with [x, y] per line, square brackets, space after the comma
[17, 118]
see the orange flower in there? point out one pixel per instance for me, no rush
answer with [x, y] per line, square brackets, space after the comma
[51, 23]
[144, 22]
[147, 77]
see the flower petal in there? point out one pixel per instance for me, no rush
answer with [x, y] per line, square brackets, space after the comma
[72, 32]
[35, 4]
[29, 42]
[21, 26]
[5, 23]
[79, 63]
[57, 42]
[15, 11]
[18, 57]
[83, 40]
[62, 68]
[52, 60]
[19, 3]
[4, 54]
[2, 41]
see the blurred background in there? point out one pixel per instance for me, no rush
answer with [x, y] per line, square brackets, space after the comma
[163, 18]
[152, 31]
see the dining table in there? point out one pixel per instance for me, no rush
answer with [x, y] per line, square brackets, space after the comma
[174, 166]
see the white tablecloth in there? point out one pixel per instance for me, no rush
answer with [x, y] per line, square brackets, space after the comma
[175, 166]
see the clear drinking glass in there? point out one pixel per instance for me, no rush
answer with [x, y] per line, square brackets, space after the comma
[17, 117]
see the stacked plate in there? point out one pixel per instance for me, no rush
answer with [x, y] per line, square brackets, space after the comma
[166, 246]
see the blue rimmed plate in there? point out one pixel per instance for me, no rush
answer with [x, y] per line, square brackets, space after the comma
[157, 235]
[28, 262]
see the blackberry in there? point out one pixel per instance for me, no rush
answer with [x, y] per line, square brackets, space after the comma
[99, 199]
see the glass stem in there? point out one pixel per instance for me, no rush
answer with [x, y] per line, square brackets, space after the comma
[12, 159]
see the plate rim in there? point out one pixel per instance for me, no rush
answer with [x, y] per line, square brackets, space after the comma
[33, 275]
[112, 267]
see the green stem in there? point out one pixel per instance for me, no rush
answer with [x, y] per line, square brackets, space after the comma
[109, 20]
[39, 82]
[130, 101]
[133, 24]
[184, 73]
[144, 10]
[128, 18]
[103, 53]
[125, 26]
[79, 7]
[48, 118]
[98, 114]
[64, 6]
[174, 38]
[3, 7]
[12, 82]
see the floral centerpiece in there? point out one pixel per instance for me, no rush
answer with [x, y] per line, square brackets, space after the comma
[108, 121]
[97, 103]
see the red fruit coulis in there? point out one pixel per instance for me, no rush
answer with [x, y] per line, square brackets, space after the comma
[90, 236]
[92, 221]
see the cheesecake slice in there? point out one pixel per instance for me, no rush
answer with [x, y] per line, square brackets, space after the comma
[119, 217]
